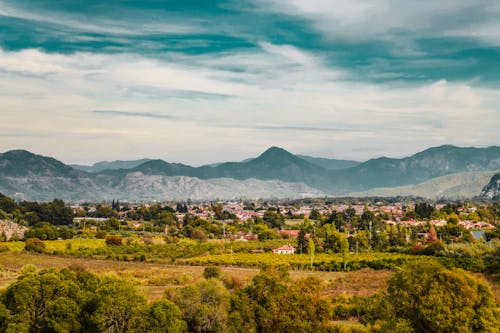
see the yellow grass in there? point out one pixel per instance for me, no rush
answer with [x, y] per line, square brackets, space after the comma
[155, 278]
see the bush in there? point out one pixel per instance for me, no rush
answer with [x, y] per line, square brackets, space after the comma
[113, 240]
[34, 245]
[211, 272]
[433, 248]
[101, 234]
[199, 234]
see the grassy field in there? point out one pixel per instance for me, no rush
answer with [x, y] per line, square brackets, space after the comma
[157, 273]
[154, 278]
[61, 245]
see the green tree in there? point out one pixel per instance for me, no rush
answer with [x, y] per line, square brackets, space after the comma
[48, 301]
[117, 305]
[165, 317]
[199, 234]
[344, 249]
[273, 303]
[204, 305]
[310, 250]
[211, 272]
[434, 299]
[302, 241]
[34, 245]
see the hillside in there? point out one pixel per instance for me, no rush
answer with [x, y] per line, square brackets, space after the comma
[423, 166]
[492, 190]
[329, 163]
[274, 173]
[454, 186]
[114, 165]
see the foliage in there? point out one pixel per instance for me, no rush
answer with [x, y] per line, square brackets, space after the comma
[199, 234]
[34, 245]
[434, 299]
[78, 301]
[165, 317]
[113, 240]
[203, 305]
[274, 304]
[211, 272]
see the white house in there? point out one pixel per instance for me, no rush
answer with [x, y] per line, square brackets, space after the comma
[285, 249]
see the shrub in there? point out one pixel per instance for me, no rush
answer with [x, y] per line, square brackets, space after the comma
[199, 234]
[101, 234]
[148, 239]
[211, 272]
[34, 245]
[433, 248]
[113, 240]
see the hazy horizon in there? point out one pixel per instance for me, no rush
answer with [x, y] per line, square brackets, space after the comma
[202, 82]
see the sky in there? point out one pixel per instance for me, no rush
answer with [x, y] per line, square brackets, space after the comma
[207, 81]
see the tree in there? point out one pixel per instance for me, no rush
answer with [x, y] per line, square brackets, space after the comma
[113, 240]
[434, 299]
[310, 250]
[34, 245]
[315, 215]
[203, 305]
[344, 249]
[165, 317]
[211, 272]
[302, 241]
[48, 301]
[273, 303]
[117, 305]
[199, 234]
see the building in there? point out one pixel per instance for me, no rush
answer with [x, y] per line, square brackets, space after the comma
[285, 249]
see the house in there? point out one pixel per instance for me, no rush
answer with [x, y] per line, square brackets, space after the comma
[285, 249]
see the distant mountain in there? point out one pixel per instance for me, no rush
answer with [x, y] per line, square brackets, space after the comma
[274, 163]
[16, 163]
[43, 179]
[492, 190]
[428, 164]
[274, 173]
[329, 163]
[114, 165]
[455, 186]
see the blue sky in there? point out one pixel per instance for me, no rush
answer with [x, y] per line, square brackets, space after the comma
[205, 81]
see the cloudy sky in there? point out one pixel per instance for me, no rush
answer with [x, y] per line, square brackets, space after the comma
[205, 81]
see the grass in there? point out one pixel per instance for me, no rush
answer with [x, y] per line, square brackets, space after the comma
[155, 278]
[61, 245]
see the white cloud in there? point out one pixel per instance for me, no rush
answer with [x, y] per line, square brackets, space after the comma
[289, 53]
[363, 19]
[53, 96]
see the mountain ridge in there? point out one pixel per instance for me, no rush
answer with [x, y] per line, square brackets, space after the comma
[40, 176]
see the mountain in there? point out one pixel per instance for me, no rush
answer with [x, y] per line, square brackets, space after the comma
[329, 163]
[43, 178]
[274, 163]
[274, 173]
[17, 163]
[455, 186]
[492, 190]
[425, 165]
[114, 165]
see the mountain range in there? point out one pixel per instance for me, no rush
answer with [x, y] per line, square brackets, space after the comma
[276, 173]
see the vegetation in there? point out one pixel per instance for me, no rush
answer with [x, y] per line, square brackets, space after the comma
[428, 291]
